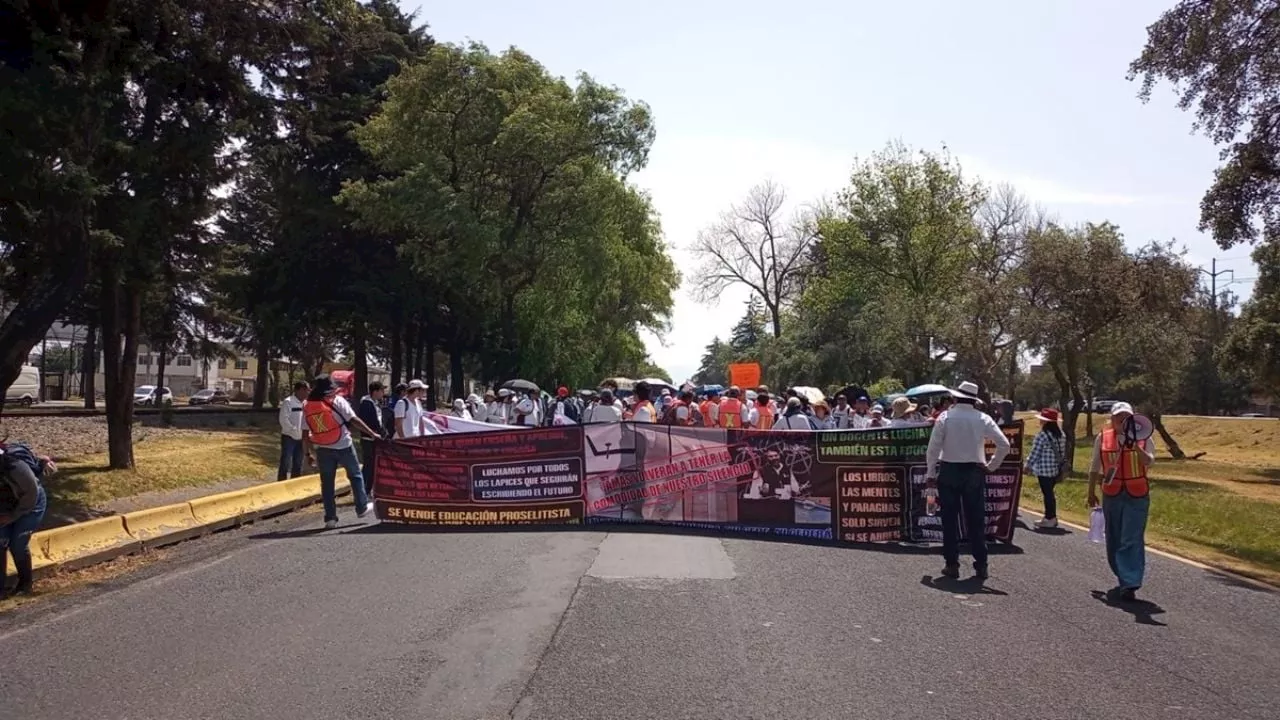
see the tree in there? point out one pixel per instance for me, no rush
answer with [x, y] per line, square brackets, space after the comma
[1252, 345]
[753, 245]
[750, 330]
[714, 369]
[505, 183]
[1223, 58]
[899, 245]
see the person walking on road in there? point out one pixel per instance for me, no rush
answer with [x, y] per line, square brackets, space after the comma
[957, 466]
[1046, 461]
[408, 410]
[1120, 463]
[291, 432]
[22, 506]
[328, 444]
[371, 413]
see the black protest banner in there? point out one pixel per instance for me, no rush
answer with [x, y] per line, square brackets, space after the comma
[851, 486]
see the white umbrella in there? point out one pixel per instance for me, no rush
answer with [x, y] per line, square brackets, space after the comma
[813, 394]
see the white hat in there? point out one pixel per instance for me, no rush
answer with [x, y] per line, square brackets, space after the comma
[877, 409]
[1121, 407]
[417, 385]
[752, 395]
[504, 393]
[473, 398]
[966, 389]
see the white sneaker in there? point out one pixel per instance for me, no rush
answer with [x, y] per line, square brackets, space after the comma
[330, 524]
[367, 509]
[1047, 523]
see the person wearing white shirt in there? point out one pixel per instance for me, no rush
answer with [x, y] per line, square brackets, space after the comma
[603, 411]
[957, 466]
[328, 444]
[526, 412]
[408, 410]
[794, 417]
[291, 432]
[840, 413]
[460, 410]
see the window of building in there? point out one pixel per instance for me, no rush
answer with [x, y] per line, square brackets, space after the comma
[242, 364]
[144, 360]
[236, 385]
[222, 364]
[184, 361]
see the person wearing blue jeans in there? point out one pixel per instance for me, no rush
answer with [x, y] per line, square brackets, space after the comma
[22, 507]
[327, 417]
[1121, 457]
[290, 458]
[291, 428]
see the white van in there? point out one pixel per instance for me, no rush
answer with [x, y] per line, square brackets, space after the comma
[26, 389]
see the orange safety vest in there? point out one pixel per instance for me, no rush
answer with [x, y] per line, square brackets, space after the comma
[323, 421]
[1130, 474]
[675, 418]
[653, 414]
[705, 409]
[730, 413]
[766, 417]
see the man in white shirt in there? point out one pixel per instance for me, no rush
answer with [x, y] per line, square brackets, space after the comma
[860, 419]
[291, 432]
[957, 468]
[409, 411]
[526, 411]
[840, 413]
[603, 411]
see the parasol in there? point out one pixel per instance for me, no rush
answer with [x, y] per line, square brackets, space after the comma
[658, 384]
[520, 386]
[930, 389]
[812, 394]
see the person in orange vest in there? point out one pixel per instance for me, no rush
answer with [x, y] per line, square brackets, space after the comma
[683, 411]
[710, 409]
[762, 413]
[731, 410]
[327, 442]
[642, 411]
[1120, 465]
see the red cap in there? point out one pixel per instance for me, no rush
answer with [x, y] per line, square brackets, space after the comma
[562, 392]
[1048, 415]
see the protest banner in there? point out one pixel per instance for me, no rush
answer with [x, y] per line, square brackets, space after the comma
[852, 486]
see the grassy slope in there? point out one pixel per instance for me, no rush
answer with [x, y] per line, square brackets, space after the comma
[1223, 508]
[84, 483]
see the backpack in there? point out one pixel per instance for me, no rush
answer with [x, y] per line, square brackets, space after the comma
[571, 410]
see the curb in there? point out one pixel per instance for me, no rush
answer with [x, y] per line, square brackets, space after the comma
[79, 545]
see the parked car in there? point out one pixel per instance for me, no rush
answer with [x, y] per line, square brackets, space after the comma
[26, 389]
[210, 396]
[146, 395]
[1102, 407]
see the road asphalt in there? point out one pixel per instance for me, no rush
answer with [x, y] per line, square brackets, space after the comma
[282, 620]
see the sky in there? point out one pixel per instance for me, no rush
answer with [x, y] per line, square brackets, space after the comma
[1028, 93]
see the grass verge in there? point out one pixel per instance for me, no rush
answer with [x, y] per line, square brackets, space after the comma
[1222, 510]
[84, 484]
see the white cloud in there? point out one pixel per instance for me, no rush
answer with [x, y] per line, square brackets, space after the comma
[1044, 191]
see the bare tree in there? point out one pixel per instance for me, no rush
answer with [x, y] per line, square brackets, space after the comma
[754, 245]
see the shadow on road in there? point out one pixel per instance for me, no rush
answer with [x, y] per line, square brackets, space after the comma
[1141, 610]
[308, 532]
[893, 548]
[967, 586]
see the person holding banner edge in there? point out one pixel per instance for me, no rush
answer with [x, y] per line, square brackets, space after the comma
[957, 467]
[1121, 455]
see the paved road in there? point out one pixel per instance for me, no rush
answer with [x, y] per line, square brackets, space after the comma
[282, 622]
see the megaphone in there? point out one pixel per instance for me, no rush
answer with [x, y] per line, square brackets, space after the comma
[1138, 428]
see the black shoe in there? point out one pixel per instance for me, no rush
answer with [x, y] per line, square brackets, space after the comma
[1128, 595]
[951, 571]
[980, 572]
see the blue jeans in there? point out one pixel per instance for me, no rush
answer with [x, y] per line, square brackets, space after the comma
[16, 536]
[1126, 522]
[290, 458]
[962, 487]
[329, 460]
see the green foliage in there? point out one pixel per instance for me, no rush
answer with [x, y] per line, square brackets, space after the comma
[1252, 345]
[884, 386]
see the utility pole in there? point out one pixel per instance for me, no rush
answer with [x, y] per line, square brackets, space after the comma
[1210, 389]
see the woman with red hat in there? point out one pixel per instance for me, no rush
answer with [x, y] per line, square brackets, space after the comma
[1046, 461]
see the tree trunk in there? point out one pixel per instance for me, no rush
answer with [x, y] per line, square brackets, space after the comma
[264, 372]
[411, 350]
[89, 368]
[121, 310]
[360, 377]
[397, 352]
[456, 380]
[161, 358]
[427, 343]
[1069, 411]
[510, 343]
[1174, 449]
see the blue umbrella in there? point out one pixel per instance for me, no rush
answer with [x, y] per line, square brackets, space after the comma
[932, 389]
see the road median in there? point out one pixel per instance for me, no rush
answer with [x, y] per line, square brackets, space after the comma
[87, 543]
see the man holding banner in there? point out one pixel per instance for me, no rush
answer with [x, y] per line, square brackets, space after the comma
[957, 467]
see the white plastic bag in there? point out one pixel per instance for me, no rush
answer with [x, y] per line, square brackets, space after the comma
[1097, 526]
